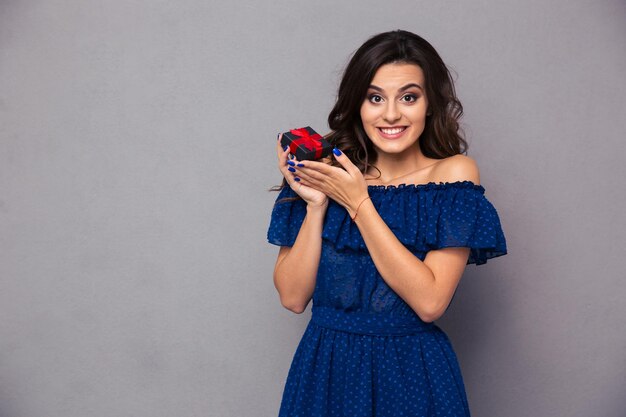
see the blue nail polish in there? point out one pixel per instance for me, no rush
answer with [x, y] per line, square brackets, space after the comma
[291, 169]
[297, 179]
[336, 151]
[291, 163]
[285, 148]
[291, 157]
[300, 165]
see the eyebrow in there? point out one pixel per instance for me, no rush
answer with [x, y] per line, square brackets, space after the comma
[406, 87]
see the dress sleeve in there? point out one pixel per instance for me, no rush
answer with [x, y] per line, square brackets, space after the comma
[286, 219]
[468, 219]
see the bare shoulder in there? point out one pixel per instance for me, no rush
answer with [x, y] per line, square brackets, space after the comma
[458, 168]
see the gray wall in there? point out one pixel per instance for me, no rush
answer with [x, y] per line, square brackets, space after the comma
[136, 147]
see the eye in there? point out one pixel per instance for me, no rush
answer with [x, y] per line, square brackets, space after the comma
[410, 98]
[375, 98]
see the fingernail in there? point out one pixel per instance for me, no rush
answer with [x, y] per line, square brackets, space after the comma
[336, 151]
[291, 169]
[291, 163]
[300, 165]
[296, 178]
[285, 148]
[291, 156]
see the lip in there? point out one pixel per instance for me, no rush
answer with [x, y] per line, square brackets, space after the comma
[394, 136]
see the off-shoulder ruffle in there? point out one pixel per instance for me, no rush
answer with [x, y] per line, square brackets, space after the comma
[287, 217]
[422, 216]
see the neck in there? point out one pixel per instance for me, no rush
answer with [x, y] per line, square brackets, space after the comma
[392, 166]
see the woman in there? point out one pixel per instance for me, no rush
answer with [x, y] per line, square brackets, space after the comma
[379, 236]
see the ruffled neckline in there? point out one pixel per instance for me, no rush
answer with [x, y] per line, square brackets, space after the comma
[423, 217]
[427, 186]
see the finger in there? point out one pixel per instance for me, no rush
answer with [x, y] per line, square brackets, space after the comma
[292, 161]
[318, 166]
[290, 169]
[345, 162]
[291, 178]
[285, 169]
[311, 180]
[307, 184]
[305, 170]
[306, 176]
[279, 148]
[282, 154]
[322, 173]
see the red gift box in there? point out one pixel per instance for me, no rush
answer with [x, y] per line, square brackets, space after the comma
[306, 143]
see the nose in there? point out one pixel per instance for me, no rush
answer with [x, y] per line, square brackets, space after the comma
[392, 112]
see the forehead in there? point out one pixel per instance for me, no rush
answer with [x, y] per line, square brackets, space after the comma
[394, 76]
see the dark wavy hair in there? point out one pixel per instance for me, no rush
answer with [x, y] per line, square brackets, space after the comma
[442, 136]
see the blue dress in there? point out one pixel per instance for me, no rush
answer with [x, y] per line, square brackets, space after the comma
[365, 352]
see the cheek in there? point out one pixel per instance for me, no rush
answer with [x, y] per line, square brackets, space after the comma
[368, 114]
[417, 113]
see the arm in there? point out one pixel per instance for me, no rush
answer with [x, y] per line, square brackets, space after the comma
[296, 267]
[426, 286]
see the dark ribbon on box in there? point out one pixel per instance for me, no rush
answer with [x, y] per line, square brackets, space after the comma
[311, 142]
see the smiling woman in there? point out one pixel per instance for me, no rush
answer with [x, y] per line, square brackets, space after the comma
[381, 256]
[394, 114]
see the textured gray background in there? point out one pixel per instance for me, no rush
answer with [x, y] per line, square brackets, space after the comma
[135, 279]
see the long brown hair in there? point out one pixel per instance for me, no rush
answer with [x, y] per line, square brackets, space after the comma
[442, 136]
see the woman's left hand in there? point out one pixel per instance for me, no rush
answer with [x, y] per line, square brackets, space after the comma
[346, 186]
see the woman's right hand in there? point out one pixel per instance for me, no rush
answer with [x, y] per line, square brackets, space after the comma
[312, 196]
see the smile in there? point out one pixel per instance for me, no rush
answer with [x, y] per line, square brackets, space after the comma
[391, 132]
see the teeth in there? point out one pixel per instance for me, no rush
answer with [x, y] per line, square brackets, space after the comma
[392, 131]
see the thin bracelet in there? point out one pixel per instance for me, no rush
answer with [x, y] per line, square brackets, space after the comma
[357, 209]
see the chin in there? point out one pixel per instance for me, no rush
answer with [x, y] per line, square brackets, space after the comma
[389, 146]
[393, 149]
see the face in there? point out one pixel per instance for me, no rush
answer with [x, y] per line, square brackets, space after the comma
[394, 110]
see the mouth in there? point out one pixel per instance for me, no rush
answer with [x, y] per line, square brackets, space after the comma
[392, 132]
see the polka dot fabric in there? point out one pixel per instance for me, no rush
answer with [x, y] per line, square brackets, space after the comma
[365, 352]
